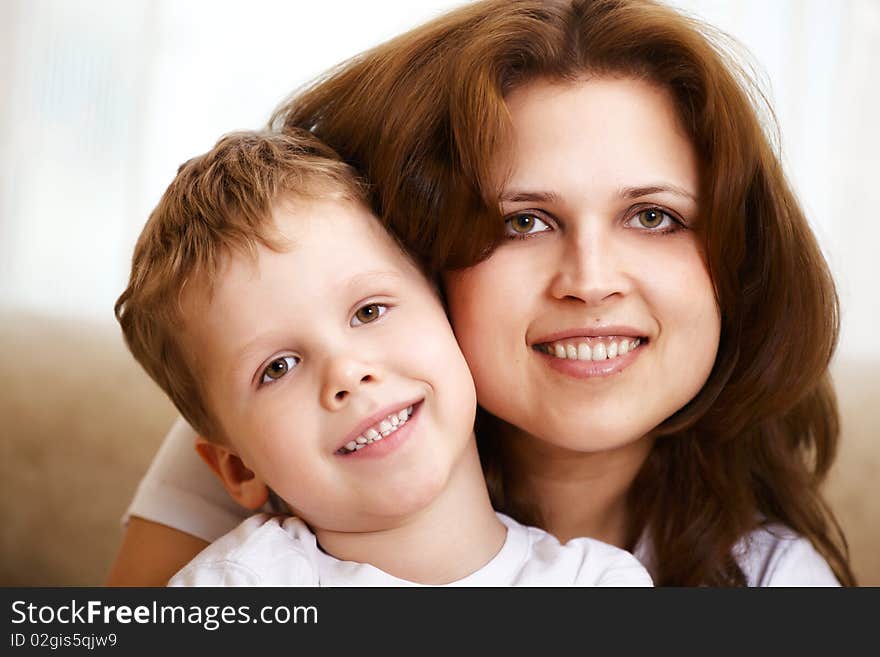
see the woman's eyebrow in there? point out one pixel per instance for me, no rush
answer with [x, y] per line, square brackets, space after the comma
[638, 192]
[531, 197]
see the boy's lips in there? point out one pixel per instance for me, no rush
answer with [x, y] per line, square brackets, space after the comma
[378, 425]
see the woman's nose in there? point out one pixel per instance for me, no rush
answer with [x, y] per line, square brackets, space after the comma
[344, 377]
[591, 269]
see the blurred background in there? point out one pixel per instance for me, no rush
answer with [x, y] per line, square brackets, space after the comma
[102, 100]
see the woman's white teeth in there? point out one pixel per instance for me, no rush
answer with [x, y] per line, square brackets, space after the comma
[583, 351]
[377, 432]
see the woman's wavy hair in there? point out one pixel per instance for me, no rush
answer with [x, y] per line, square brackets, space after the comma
[422, 117]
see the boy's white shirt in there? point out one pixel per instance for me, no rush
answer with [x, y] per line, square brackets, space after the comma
[179, 491]
[267, 550]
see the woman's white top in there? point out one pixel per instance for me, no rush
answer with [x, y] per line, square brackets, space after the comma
[179, 491]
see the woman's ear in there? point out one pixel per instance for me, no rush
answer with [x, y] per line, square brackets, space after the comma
[242, 484]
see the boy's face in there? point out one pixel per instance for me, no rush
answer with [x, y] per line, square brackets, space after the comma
[315, 349]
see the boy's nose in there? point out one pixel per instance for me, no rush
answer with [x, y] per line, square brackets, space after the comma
[346, 376]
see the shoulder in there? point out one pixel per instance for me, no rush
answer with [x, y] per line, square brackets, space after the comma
[179, 491]
[579, 562]
[774, 555]
[264, 550]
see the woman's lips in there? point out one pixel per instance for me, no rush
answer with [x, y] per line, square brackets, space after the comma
[591, 356]
[591, 332]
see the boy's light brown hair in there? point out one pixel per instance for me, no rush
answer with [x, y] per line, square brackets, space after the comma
[218, 203]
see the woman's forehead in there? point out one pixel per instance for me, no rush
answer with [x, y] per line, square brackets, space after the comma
[595, 130]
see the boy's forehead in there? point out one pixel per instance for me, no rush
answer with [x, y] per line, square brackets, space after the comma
[343, 231]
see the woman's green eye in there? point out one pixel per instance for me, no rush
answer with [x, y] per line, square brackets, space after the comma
[654, 221]
[525, 223]
[278, 368]
[651, 218]
[369, 313]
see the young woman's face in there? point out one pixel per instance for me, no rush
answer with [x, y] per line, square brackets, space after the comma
[596, 319]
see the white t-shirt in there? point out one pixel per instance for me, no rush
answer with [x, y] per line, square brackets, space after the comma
[179, 491]
[268, 550]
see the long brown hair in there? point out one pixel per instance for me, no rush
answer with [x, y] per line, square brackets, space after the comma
[423, 115]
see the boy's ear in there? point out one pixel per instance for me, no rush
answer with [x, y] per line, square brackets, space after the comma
[242, 484]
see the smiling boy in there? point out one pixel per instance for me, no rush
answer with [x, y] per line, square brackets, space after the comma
[318, 364]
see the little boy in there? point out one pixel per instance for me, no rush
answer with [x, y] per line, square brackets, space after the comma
[317, 363]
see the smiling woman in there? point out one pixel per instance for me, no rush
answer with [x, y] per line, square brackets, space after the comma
[601, 267]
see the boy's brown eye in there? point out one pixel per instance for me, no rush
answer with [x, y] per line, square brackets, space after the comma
[278, 368]
[368, 313]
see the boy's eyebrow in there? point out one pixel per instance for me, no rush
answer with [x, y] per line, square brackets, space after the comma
[255, 345]
[367, 277]
[248, 351]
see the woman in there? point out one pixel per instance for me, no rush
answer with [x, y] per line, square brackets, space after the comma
[647, 316]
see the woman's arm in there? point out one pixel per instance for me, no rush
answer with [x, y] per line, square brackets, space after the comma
[179, 507]
[151, 554]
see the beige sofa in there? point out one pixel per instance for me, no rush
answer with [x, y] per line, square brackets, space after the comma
[81, 421]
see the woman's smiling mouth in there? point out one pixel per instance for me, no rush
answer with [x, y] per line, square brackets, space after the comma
[591, 356]
[589, 349]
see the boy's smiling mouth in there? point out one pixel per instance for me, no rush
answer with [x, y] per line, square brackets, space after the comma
[379, 429]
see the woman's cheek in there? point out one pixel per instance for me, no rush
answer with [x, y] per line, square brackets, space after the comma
[471, 309]
[483, 312]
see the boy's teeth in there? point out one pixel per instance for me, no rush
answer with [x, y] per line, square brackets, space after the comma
[604, 350]
[377, 432]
